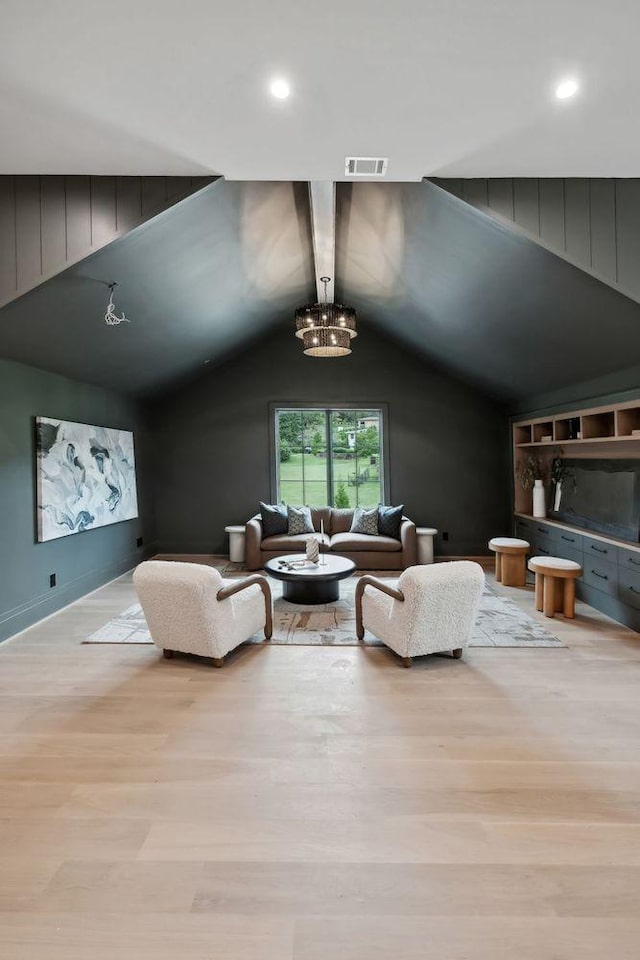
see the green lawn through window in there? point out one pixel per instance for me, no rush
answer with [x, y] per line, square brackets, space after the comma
[315, 477]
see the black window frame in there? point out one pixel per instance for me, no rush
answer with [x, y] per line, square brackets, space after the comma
[327, 408]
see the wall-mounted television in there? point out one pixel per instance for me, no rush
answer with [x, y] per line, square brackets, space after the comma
[602, 495]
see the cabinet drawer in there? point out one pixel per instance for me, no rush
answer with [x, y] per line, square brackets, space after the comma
[542, 533]
[567, 552]
[628, 559]
[601, 574]
[569, 539]
[597, 548]
[544, 549]
[629, 587]
[524, 529]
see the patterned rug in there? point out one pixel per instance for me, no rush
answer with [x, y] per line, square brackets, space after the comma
[500, 623]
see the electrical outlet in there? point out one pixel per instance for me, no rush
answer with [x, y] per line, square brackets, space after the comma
[52, 579]
[445, 534]
[139, 542]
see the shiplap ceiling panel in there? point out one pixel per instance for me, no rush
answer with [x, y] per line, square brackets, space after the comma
[49, 223]
[593, 223]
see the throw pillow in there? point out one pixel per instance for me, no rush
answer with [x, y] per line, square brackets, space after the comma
[274, 519]
[299, 520]
[390, 521]
[365, 521]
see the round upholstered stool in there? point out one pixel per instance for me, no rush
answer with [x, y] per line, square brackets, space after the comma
[555, 585]
[510, 560]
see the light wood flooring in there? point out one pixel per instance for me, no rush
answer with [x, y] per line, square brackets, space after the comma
[312, 803]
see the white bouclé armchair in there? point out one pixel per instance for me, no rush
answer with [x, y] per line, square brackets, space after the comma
[189, 608]
[432, 610]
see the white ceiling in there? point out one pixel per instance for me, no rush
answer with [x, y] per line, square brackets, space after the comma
[441, 87]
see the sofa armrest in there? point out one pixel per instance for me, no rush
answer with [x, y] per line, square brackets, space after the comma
[409, 542]
[252, 543]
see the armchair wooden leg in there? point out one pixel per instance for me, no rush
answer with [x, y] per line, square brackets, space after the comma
[457, 654]
[359, 623]
[217, 661]
[268, 633]
[167, 654]
[407, 662]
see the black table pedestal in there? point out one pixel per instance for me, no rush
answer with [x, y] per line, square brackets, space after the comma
[305, 592]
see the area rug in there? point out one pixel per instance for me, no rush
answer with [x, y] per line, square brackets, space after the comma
[500, 623]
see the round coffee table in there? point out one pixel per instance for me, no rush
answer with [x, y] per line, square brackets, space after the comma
[313, 583]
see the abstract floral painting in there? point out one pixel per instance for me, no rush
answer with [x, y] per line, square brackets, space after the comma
[86, 477]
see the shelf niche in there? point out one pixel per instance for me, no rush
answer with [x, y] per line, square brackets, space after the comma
[567, 428]
[543, 429]
[598, 426]
[627, 421]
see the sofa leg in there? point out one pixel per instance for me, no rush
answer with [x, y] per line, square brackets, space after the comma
[267, 634]
[457, 654]
[217, 661]
[407, 662]
[167, 654]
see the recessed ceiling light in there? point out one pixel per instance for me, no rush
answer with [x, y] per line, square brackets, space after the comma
[280, 89]
[566, 88]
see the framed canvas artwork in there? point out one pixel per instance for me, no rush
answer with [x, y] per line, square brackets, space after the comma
[86, 477]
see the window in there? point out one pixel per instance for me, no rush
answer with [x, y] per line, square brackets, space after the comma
[329, 456]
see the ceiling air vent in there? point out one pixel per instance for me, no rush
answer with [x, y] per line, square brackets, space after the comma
[366, 166]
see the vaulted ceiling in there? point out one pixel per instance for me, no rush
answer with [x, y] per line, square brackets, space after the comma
[227, 266]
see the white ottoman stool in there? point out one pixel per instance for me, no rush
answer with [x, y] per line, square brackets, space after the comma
[555, 585]
[424, 536]
[236, 543]
[510, 560]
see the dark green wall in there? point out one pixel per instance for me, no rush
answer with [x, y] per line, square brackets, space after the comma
[82, 561]
[447, 442]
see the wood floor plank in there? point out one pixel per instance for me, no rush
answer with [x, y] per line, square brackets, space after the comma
[142, 936]
[89, 886]
[409, 938]
[395, 840]
[22, 879]
[99, 839]
[346, 802]
[417, 890]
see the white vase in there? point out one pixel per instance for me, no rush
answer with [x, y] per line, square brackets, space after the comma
[313, 549]
[557, 497]
[539, 505]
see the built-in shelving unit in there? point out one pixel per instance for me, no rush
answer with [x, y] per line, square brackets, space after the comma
[615, 422]
[596, 431]
[610, 580]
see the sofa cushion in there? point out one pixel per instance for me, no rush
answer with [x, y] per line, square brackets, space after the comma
[292, 544]
[390, 520]
[365, 521]
[341, 520]
[299, 520]
[274, 519]
[321, 514]
[353, 542]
